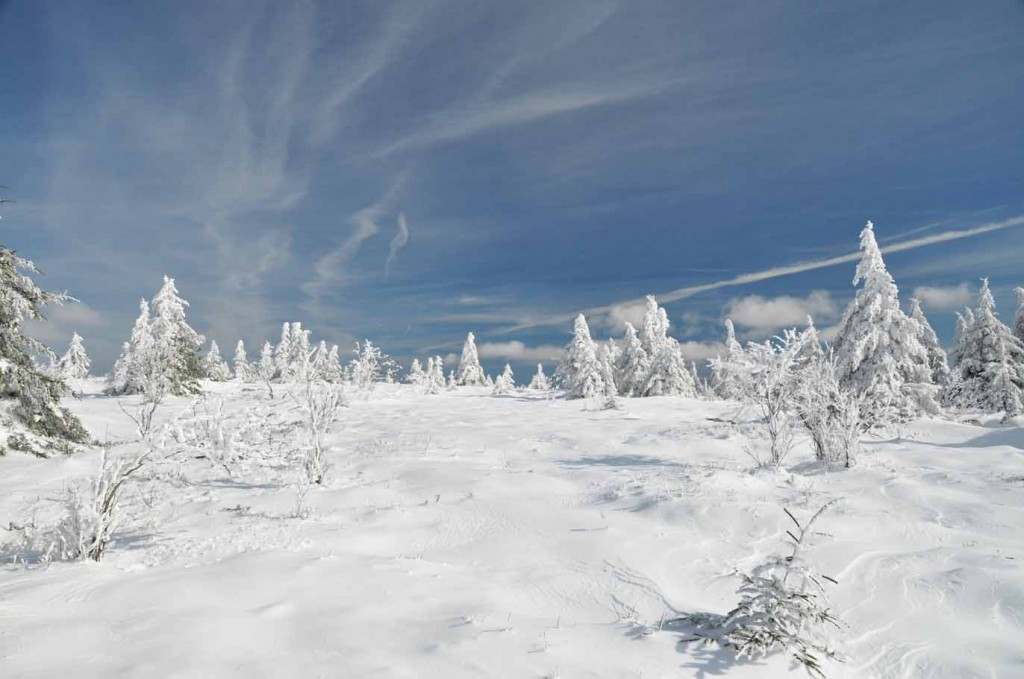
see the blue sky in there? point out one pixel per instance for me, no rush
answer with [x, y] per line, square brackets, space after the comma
[544, 158]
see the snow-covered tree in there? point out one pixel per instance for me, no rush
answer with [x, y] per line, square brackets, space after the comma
[724, 382]
[470, 373]
[283, 353]
[37, 395]
[266, 367]
[74, 364]
[433, 379]
[176, 344]
[299, 365]
[333, 371]
[668, 374]
[582, 371]
[505, 384]
[416, 375]
[215, 367]
[989, 363]
[879, 357]
[633, 365]
[453, 380]
[936, 355]
[128, 376]
[830, 413]
[243, 371]
[367, 366]
[540, 380]
[1018, 324]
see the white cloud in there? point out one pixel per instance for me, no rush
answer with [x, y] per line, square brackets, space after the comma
[944, 298]
[701, 351]
[620, 314]
[771, 313]
[61, 321]
[829, 334]
[517, 351]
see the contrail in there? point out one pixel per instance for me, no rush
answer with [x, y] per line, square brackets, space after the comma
[775, 272]
[397, 243]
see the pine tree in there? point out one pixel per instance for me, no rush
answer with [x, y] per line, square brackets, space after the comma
[243, 371]
[416, 375]
[633, 365]
[989, 368]
[74, 364]
[582, 371]
[668, 374]
[470, 373]
[299, 360]
[936, 356]
[266, 368]
[879, 358]
[540, 380]
[38, 395]
[367, 365]
[1018, 324]
[215, 367]
[136, 361]
[318, 364]
[433, 380]
[333, 370]
[505, 383]
[725, 383]
[175, 342]
[283, 354]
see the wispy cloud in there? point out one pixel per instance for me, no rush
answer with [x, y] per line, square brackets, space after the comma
[776, 272]
[400, 240]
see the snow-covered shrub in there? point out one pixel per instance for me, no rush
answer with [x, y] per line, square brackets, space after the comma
[830, 413]
[321, 403]
[371, 365]
[783, 608]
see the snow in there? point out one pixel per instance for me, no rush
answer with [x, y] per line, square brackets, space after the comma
[463, 535]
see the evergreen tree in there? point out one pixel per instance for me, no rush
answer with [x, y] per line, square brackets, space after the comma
[416, 375]
[667, 374]
[333, 370]
[453, 380]
[725, 382]
[37, 395]
[879, 358]
[989, 370]
[74, 364]
[176, 344]
[215, 367]
[266, 368]
[135, 362]
[299, 361]
[1018, 325]
[470, 372]
[243, 371]
[633, 365]
[582, 371]
[367, 366]
[540, 380]
[936, 356]
[318, 364]
[433, 379]
[283, 354]
[505, 383]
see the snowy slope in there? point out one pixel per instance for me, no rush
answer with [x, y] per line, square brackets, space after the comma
[465, 535]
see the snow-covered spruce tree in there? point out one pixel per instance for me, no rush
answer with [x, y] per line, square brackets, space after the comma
[242, 369]
[283, 354]
[668, 374]
[367, 366]
[333, 371]
[722, 380]
[937, 362]
[505, 384]
[989, 369]
[433, 379]
[75, 363]
[767, 375]
[453, 380]
[1018, 323]
[540, 380]
[783, 607]
[36, 395]
[879, 357]
[299, 362]
[318, 362]
[416, 375]
[266, 367]
[470, 373]
[633, 364]
[582, 372]
[127, 375]
[215, 368]
[176, 344]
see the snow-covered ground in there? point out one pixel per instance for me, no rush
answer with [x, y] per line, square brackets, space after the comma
[466, 535]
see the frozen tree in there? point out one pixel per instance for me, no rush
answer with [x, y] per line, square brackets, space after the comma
[767, 375]
[879, 357]
[582, 371]
[243, 371]
[470, 373]
[433, 379]
[488, 381]
[322, 403]
[300, 353]
[724, 382]
[988, 373]
[505, 384]
[129, 370]
[266, 367]
[830, 413]
[37, 395]
[74, 364]
[453, 380]
[283, 354]
[540, 380]
[667, 373]
[416, 375]
[215, 367]
[176, 344]
[936, 356]
[332, 368]
[1018, 324]
[367, 366]
[783, 607]
[633, 365]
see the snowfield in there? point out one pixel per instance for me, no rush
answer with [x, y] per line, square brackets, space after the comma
[468, 535]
